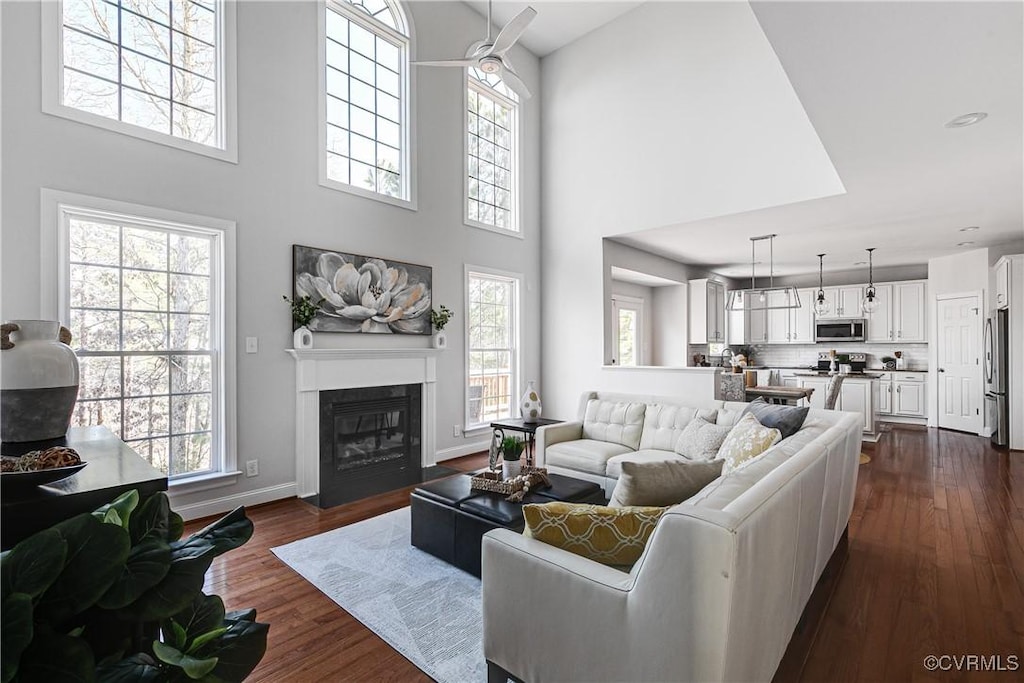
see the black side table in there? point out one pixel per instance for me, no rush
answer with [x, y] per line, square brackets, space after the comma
[528, 428]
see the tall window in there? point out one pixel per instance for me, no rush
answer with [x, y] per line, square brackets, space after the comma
[158, 65]
[145, 302]
[491, 151]
[492, 345]
[364, 112]
[628, 313]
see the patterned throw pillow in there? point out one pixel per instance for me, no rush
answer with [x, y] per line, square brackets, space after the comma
[747, 440]
[700, 440]
[612, 536]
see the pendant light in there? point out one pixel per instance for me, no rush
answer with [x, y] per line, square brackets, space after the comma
[821, 305]
[870, 302]
[758, 297]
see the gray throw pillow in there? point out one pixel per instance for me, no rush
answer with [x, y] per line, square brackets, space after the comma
[662, 483]
[700, 440]
[787, 419]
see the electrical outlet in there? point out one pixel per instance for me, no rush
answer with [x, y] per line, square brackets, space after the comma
[252, 345]
[252, 468]
[456, 430]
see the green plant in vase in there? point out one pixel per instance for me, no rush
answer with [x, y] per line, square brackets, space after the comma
[511, 452]
[304, 310]
[439, 317]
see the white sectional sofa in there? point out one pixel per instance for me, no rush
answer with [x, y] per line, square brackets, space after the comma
[720, 587]
[614, 427]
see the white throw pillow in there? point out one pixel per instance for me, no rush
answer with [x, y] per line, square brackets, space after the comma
[700, 440]
[747, 440]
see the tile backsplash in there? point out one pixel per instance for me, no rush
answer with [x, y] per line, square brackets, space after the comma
[798, 355]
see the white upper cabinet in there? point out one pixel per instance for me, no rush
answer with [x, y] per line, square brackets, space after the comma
[707, 311]
[737, 327]
[1003, 283]
[757, 327]
[880, 328]
[845, 301]
[908, 312]
[801, 320]
[778, 318]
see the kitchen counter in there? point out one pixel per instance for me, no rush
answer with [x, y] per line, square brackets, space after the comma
[849, 375]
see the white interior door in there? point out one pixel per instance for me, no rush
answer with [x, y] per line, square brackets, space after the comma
[961, 392]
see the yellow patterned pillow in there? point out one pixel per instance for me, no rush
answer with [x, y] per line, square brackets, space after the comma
[613, 536]
[747, 440]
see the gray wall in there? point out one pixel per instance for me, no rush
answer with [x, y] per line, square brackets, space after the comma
[273, 195]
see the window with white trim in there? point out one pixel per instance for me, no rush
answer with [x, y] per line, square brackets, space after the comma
[150, 68]
[491, 153]
[492, 346]
[145, 302]
[628, 314]
[364, 108]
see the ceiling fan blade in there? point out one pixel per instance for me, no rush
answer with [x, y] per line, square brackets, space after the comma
[513, 29]
[449, 62]
[510, 78]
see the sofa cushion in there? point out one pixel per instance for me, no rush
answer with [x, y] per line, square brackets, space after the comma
[787, 419]
[615, 422]
[585, 455]
[667, 482]
[747, 440]
[701, 439]
[663, 423]
[614, 468]
[612, 536]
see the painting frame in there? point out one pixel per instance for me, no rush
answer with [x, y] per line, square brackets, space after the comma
[363, 294]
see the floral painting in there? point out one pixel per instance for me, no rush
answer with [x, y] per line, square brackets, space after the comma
[362, 293]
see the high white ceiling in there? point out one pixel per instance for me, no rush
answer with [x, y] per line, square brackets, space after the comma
[878, 82]
[558, 22]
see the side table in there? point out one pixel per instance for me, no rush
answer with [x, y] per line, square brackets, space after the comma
[528, 428]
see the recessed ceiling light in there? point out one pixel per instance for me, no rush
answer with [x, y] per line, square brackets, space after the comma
[967, 120]
[970, 228]
[964, 244]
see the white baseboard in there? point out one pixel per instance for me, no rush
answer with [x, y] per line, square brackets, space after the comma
[460, 451]
[217, 506]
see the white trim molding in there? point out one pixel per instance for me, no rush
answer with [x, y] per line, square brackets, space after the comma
[219, 506]
[462, 450]
[319, 370]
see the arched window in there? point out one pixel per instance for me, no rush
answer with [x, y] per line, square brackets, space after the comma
[364, 112]
[492, 196]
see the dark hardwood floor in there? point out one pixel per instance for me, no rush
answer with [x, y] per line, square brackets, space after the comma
[935, 567]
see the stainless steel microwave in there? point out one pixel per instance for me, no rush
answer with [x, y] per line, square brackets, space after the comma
[851, 329]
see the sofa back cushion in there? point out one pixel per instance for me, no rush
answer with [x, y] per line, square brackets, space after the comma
[663, 423]
[614, 421]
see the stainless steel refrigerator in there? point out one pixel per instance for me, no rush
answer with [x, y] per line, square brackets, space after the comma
[997, 343]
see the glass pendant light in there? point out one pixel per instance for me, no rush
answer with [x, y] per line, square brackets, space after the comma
[870, 302]
[822, 307]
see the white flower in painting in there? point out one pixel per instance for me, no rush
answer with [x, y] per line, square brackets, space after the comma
[374, 297]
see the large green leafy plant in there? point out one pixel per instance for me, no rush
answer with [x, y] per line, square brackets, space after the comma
[116, 595]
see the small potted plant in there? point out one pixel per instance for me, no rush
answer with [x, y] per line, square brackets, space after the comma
[304, 309]
[439, 317]
[511, 451]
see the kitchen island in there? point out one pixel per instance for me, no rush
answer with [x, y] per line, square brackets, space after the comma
[858, 394]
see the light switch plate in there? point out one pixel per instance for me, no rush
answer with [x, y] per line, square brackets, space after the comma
[252, 344]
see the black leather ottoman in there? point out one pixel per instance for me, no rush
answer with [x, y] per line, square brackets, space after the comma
[449, 518]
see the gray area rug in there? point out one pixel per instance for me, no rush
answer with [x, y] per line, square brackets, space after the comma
[425, 608]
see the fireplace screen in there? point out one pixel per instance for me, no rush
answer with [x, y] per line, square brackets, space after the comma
[369, 441]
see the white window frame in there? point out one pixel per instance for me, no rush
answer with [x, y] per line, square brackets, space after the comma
[57, 210]
[629, 303]
[515, 372]
[407, 125]
[227, 107]
[517, 230]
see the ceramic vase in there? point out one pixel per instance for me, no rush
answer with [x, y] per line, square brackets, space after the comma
[530, 405]
[40, 381]
[302, 338]
[440, 340]
[511, 468]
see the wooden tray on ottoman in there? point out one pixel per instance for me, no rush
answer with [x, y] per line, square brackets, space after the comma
[491, 481]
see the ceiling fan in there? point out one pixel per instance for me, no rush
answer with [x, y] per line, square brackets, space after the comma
[489, 55]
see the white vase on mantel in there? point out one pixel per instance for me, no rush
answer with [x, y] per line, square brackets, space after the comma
[530, 405]
[440, 340]
[302, 338]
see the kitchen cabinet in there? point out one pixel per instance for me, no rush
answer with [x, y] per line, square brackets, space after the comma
[707, 311]
[757, 326]
[908, 312]
[801, 320]
[1003, 283]
[820, 386]
[778, 318]
[845, 301]
[885, 394]
[909, 394]
[855, 397]
[880, 327]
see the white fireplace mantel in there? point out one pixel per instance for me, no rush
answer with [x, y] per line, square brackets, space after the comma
[319, 370]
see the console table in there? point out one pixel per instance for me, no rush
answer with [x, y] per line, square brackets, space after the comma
[113, 468]
[528, 428]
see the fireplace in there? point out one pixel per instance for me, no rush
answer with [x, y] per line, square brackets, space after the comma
[370, 441]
